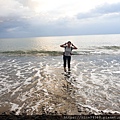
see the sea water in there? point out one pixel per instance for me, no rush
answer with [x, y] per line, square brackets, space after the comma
[95, 67]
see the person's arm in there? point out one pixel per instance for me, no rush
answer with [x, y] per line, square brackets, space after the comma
[63, 45]
[74, 47]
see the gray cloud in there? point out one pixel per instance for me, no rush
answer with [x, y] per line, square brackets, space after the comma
[21, 21]
[13, 27]
[23, 29]
[106, 9]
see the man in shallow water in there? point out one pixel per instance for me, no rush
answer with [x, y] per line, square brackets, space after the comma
[67, 54]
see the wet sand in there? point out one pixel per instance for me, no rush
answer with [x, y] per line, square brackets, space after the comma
[49, 94]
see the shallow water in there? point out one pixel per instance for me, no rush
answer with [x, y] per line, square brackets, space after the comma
[85, 43]
[95, 77]
[29, 65]
[98, 81]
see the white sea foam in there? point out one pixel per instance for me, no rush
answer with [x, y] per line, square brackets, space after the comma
[38, 73]
[18, 73]
[28, 81]
[39, 83]
[16, 90]
[95, 76]
[117, 72]
[19, 109]
[47, 69]
[14, 106]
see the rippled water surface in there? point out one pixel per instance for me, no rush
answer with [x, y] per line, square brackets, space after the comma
[97, 77]
[98, 81]
[95, 71]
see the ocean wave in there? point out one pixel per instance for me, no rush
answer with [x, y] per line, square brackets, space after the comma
[85, 51]
[33, 52]
[110, 47]
[43, 53]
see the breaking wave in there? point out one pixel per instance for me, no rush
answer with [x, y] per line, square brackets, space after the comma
[81, 51]
[33, 52]
[110, 47]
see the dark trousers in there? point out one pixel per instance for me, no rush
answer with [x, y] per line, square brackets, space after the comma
[66, 59]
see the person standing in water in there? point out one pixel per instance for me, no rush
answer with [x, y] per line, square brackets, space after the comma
[67, 54]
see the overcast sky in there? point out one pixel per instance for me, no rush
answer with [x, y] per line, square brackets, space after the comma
[34, 18]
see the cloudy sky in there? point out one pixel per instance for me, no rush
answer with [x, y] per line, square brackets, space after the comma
[34, 18]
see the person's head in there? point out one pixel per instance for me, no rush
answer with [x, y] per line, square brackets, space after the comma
[69, 43]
